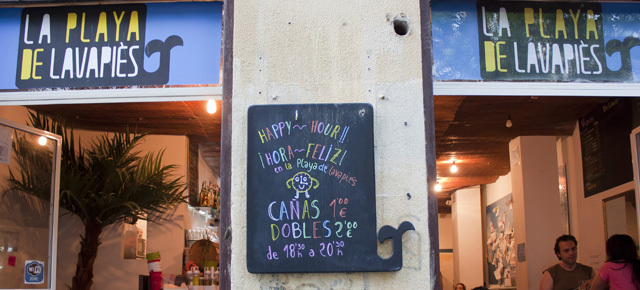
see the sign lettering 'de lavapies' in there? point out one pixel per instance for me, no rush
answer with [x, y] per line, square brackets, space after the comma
[89, 46]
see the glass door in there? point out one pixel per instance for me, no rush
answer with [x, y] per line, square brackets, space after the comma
[29, 188]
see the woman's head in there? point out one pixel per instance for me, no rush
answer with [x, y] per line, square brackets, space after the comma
[621, 247]
[460, 286]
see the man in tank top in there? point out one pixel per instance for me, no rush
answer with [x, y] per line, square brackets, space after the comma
[567, 274]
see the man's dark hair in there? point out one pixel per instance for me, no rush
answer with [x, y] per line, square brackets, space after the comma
[563, 238]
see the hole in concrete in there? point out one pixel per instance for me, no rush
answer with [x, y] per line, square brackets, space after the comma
[401, 26]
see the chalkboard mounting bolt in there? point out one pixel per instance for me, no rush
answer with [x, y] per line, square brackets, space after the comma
[274, 97]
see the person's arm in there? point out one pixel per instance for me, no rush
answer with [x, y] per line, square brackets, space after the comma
[598, 283]
[546, 283]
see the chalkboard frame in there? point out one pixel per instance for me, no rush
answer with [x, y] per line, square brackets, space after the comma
[331, 237]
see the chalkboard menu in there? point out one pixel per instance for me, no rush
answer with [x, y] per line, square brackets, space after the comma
[606, 147]
[311, 190]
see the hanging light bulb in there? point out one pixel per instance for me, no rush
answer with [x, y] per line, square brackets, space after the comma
[211, 106]
[42, 140]
[438, 186]
[509, 123]
[454, 168]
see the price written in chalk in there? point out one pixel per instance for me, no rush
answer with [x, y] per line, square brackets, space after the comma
[300, 250]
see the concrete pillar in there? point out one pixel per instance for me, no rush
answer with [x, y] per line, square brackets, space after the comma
[359, 51]
[536, 206]
[466, 211]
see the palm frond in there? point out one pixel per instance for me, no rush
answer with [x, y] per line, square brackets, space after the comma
[105, 182]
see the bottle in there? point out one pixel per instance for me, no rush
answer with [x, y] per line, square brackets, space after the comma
[196, 276]
[207, 277]
[204, 195]
[201, 194]
[212, 196]
[217, 197]
[189, 278]
[207, 193]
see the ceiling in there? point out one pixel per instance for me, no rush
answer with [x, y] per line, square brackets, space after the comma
[469, 129]
[472, 130]
[189, 118]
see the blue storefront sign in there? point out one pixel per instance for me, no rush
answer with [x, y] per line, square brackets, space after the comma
[536, 41]
[103, 46]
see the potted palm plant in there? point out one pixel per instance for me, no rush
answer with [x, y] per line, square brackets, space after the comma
[108, 182]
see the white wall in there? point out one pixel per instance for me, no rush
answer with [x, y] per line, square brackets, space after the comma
[466, 210]
[205, 173]
[498, 189]
[536, 204]
[16, 115]
[586, 214]
[492, 192]
[445, 236]
[337, 52]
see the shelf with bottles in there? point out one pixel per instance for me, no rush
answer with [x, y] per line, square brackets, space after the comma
[209, 196]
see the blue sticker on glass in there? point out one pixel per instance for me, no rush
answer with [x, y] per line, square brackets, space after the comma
[33, 272]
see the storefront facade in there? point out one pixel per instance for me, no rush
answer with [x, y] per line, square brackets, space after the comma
[119, 53]
[555, 49]
[275, 53]
[58, 62]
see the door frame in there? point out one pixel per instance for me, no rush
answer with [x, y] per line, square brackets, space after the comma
[55, 195]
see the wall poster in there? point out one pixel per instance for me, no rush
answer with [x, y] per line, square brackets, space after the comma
[501, 248]
[311, 199]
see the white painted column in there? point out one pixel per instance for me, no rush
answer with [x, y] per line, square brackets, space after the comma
[536, 205]
[466, 210]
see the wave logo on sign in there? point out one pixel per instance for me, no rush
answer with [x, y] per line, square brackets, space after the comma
[89, 46]
[33, 272]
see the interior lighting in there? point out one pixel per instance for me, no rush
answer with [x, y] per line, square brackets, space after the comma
[438, 186]
[454, 168]
[509, 123]
[211, 106]
[42, 140]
